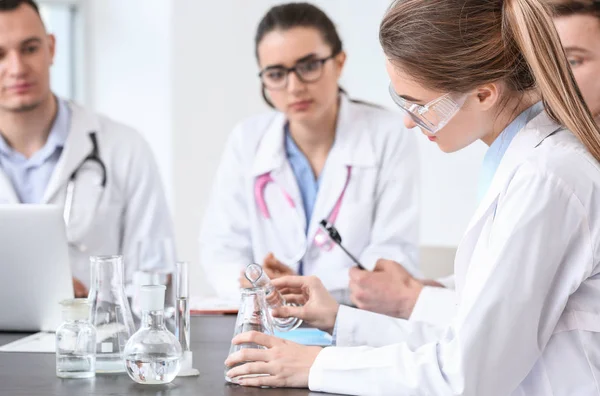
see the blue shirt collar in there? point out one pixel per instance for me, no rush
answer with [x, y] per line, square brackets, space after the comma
[291, 148]
[60, 128]
[498, 148]
[57, 137]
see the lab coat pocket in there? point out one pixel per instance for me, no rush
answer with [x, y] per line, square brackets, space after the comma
[84, 207]
[354, 224]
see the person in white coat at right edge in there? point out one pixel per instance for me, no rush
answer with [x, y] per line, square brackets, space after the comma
[320, 155]
[527, 269]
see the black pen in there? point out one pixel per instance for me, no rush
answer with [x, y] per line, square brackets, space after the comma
[335, 236]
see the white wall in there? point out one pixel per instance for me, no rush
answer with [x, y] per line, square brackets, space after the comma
[128, 64]
[183, 72]
[58, 22]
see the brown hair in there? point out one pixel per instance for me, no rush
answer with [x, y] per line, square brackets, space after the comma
[10, 5]
[455, 46]
[575, 7]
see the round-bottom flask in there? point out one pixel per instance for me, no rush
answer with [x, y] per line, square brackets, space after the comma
[153, 354]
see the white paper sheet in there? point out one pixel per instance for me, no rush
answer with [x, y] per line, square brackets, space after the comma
[38, 342]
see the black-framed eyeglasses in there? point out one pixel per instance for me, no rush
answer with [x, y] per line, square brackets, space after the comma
[308, 71]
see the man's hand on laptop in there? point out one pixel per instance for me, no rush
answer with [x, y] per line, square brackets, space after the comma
[80, 290]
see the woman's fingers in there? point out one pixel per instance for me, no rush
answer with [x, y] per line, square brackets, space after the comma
[288, 311]
[247, 355]
[295, 299]
[294, 282]
[252, 368]
[256, 338]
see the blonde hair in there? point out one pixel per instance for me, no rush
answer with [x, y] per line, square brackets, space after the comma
[455, 46]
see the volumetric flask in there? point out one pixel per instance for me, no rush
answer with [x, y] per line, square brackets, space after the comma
[252, 316]
[258, 278]
[111, 314]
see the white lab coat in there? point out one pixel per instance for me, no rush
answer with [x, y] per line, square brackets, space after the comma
[436, 305]
[378, 217]
[528, 318]
[111, 220]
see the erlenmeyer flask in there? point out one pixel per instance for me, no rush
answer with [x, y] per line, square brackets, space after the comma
[255, 275]
[252, 316]
[111, 314]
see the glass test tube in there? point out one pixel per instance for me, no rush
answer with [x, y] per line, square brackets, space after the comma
[182, 320]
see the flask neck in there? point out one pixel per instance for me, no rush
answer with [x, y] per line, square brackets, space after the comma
[107, 273]
[153, 319]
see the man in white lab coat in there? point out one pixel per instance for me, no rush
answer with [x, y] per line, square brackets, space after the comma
[55, 152]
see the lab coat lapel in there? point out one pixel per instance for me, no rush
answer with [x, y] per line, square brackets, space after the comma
[526, 140]
[77, 148]
[271, 158]
[352, 148]
[8, 195]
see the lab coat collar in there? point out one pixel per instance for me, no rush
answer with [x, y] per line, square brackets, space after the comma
[534, 133]
[352, 146]
[78, 146]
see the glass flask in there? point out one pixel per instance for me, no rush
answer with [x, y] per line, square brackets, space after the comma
[153, 353]
[111, 314]
[76, 341]
[258, 278]
[252, 316]
[141, 278]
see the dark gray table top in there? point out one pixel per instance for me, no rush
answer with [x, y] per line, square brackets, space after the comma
[33, 374]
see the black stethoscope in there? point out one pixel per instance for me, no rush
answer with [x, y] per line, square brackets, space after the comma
[93, 156]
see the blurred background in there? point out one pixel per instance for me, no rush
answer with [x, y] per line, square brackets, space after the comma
[183, 73]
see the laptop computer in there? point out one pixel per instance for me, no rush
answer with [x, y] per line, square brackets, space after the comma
[34, 267]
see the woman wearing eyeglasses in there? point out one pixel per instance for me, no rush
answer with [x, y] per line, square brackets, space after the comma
[318, 156]
[527, 269]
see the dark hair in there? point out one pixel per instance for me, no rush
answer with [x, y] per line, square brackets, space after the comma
[291, 15]
[575, 7]
[455, 46]
[9, 5]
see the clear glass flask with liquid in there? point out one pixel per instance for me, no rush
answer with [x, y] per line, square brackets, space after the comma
[111, 314]
[76, 341]
[153, 354]
[253, 315]
[258, 278]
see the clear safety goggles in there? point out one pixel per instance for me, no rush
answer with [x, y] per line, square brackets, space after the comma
[434, 115]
